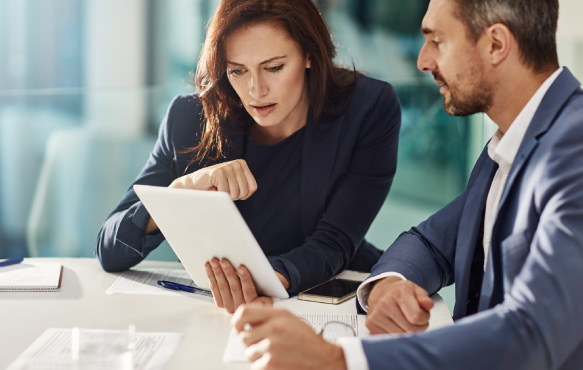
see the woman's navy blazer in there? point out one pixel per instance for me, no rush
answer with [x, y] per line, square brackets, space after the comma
[348, 165]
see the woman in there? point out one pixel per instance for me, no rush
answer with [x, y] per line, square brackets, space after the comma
[307, 149]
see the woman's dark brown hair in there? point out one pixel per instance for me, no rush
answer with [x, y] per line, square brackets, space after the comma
[223, 110]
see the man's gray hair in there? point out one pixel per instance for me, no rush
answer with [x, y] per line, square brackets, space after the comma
[532, 22]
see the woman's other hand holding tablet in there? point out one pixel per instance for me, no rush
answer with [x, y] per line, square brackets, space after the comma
[233, 177]
[232, 288]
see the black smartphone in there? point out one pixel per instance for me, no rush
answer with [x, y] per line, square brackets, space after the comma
[332, 291]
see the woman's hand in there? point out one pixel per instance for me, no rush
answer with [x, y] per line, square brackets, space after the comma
[233, 288]
[232, 177]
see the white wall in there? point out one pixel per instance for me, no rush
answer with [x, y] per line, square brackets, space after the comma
[570, 17]
[115, 65]
[570, 36]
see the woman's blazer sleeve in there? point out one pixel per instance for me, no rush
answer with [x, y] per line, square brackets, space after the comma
[121, 242]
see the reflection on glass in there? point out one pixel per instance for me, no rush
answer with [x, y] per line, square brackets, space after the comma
[68, 151]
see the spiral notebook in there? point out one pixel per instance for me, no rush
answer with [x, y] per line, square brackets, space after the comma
[31, 277]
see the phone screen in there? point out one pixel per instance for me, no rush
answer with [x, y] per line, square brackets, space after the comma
[336, 288]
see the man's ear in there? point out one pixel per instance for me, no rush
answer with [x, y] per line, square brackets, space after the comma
[308, 62]
[498, 40]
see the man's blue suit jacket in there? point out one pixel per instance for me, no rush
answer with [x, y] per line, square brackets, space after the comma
[531, 304]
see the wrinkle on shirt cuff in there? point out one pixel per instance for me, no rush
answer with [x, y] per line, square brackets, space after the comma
[353, 353]
[364, 288]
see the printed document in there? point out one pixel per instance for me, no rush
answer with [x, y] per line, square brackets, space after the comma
[145, 281]
[54, 349]
[234, 352]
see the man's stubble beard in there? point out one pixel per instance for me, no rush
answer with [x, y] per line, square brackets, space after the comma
[475, 97]
[462, 104]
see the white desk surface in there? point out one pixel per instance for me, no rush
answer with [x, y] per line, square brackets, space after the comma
[82, 302]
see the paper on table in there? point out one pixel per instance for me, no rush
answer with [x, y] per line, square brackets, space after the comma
[235, 349]
[52, 350]
[234, 352]
[145, 281]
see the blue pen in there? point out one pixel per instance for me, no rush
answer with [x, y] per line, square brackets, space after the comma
[185, 288]
[11, 261]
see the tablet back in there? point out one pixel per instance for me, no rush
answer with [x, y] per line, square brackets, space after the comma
[200, 225]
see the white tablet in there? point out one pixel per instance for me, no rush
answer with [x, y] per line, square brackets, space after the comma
[200, 225]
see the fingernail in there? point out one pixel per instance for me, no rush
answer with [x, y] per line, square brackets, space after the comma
[214, 263]
[241, 271]
[224, 263]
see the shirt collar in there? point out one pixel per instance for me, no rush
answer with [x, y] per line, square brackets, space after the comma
[503, 147]
[493, 145]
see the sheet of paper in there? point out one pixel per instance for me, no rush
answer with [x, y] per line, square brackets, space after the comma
[440, 315]
[52, 350]
[235, 349]
[145, 281]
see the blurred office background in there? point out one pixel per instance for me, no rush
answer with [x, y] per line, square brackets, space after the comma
[84, 85]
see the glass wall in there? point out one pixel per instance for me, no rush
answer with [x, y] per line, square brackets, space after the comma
[382, 39]
[84, 85]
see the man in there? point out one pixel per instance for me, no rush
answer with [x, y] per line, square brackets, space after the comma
[522, 211]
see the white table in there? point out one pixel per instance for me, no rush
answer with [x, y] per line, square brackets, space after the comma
[82, 302]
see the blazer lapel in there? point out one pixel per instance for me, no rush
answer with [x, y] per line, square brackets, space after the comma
[319, 153]
[557, 95]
